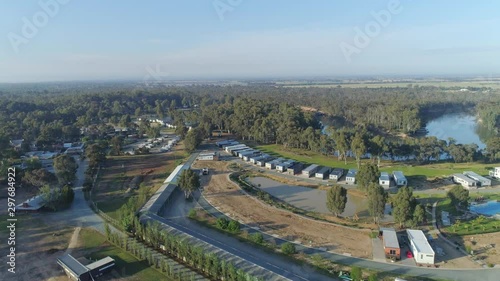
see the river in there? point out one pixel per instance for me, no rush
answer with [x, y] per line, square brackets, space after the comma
[463, 128]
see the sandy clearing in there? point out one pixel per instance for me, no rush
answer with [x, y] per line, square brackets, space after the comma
[227, 196]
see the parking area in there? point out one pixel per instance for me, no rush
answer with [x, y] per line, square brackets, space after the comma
[161, 144]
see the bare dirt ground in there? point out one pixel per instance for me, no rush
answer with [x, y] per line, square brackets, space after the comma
[485, 246]
[38, 244]
[229, 198]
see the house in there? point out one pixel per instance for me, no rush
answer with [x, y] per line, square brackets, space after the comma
[465, 181]
[79, 272]
[230, 148]
[384, 180]
[295, 169]
[256, 158]
[310, 171]
[391, 243]
[480, 179]
[272, 164]
[236, 151]
[399, 178]
[495, 173]
[262, 162]
[336, 174]
[420, 247]
[283, 167]
[211, 156]
[33, 204]
[323, 173]
[350, 178]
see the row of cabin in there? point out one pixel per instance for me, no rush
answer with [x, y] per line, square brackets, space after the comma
[418, 243]
[385, 180]
[471, 180]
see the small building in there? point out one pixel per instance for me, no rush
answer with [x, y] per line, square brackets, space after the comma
[310, 171]
[323, 173]
[250, 152]
[391, 244]
[208, 156]
[384, 180]
[256, 158]
[283, 167]
[350, 178]
[272, 164]
[295, 169]
[465, 181]
[235, 151]
[420, 247]
[480, 179]
[231, 143]
[336, 174]
[247, 158]
[262, 162]
[223, 142]
[230, 148]
[79, 272]
[495, 173]
[399, 178]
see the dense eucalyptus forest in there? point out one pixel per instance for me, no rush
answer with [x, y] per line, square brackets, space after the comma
[381, 121]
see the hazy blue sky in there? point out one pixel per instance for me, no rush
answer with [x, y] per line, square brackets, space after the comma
[91, 39]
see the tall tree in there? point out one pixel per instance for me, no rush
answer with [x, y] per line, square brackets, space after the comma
[336, 199]
[459, 196]
[403, 206]
[418, 215]
[358, 147]
[377, 198]
[189, 181]
[65, 167]
[368, 173]
[193, 139]
[378, 147]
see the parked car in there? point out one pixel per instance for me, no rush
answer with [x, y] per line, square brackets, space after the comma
[409, 254]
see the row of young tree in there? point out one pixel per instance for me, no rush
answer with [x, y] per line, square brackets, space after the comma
[151, 241]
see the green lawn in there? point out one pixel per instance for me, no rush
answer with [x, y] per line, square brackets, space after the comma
[126, 264]
[428, 171]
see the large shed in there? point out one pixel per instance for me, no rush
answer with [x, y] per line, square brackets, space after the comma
[282, 167]
[79, 272]
[323, 173]
[399, 178]
[422, 250]
[336, 174]
[384, 180]
[391, 243]
[272, 164]
[210, 156]
[295, 169]
[480, 179]
[310, 171]
[350, 178]
[256, 158]
[262, 162]
[465, 181]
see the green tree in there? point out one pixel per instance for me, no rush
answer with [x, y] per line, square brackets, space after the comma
[257, 237]
[288, 248]
[403, 206]
[493, 148]
[368, 173]
[65, 167]
[116, 145]
[418, 215]
[189, 181]
[459, 196]
[377, 198]
[356, 273]
[193, 139]
[336, 199]
[358, 147]
[233, 226]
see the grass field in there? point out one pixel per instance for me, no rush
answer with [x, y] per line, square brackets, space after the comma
[127, 266]
[429, 171]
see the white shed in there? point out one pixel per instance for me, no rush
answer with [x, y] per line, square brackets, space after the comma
[420, 247]
[351, 176]
[482, 180]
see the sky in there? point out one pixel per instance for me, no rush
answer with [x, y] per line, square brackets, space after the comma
[66, 40]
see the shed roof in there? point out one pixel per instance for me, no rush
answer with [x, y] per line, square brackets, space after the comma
[323, 170]
[351, 173]
[399, 175]
[390, 238]
[420, 241]
[70, 263]
[337, 171]
[310, 168]
[100, 263]
[476, 176]
[384, 176]
[464, 178]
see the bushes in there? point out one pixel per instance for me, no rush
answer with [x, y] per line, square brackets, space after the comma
[228, 225]
[192, 214]
[257, 238]
[356, 273]
[288, 248]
